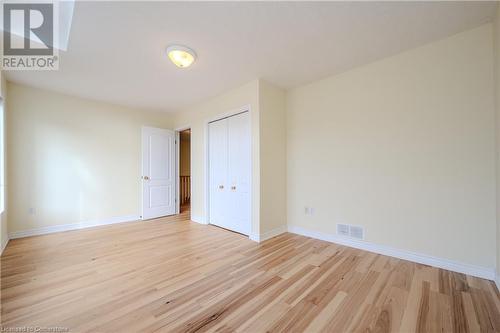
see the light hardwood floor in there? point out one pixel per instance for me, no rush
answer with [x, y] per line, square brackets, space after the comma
[178, 276]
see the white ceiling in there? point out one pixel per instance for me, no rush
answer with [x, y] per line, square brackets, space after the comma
[116, 50]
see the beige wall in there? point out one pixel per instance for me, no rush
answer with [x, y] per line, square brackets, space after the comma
[185, 157]
[3, 215]
[404, 147]
[272, 157]
[497, 91]
[68, 149]
[267, 104]
[72, 159]
[196, 117]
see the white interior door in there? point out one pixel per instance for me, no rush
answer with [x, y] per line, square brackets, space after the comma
[238, 203]
[229, 173]
[158, 172]
[218, 173]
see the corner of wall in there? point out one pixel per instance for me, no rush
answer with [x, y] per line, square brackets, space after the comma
[91, 130]
[496, 43]
[272, 128]
[4, 232]
[196, 117]
[352, 128]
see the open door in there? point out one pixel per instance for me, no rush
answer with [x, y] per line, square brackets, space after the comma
[158, 172]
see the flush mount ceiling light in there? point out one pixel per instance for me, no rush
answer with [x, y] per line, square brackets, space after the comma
[181, 56]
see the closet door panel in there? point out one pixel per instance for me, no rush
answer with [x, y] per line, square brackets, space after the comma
[218, 162]
[239, 172]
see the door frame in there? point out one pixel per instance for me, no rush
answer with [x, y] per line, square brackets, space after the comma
[177, 132]
[234, 112]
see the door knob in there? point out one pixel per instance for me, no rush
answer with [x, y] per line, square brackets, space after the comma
[221, 186]
[145, 177]
[233, 188]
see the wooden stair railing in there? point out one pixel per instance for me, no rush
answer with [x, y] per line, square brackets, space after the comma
[185, 189]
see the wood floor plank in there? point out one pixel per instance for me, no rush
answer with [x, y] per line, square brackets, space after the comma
[173, 275]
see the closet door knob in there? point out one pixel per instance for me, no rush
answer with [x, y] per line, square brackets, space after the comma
[233, 188]
[221, 186]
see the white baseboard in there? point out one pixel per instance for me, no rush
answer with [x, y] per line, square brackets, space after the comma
[269, 234]
[198, 219]
[482, 272]
[72, 226]
[4, 245]
[497, 282]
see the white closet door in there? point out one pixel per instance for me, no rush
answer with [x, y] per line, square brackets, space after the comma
[239, 172]
[217, 132]
[229, 173]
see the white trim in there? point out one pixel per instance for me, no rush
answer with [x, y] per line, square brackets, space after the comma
[206, 166]
[177, 139]
[497, 282]
[7, 239]
[269, 234]
[72, 226]
[182, 128]
[198, 219]
[230, 113]
[482, 272]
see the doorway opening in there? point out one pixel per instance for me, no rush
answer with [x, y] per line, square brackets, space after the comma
[185, 172]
